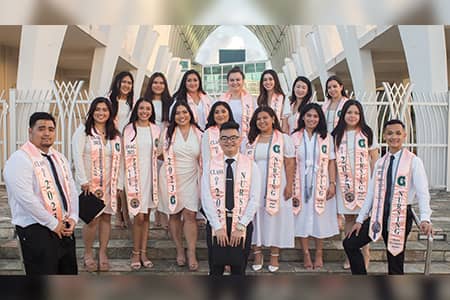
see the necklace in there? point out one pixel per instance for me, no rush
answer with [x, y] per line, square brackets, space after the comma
[100, 131]
[266, 135]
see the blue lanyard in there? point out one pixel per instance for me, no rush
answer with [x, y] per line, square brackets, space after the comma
[308, 191]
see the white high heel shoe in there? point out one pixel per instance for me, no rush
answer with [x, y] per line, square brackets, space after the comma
[273, 269]
[258, 267]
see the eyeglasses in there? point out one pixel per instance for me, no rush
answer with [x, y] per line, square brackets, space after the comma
[232, 138]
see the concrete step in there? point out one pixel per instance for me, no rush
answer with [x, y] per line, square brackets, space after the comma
[165, 250]
[158, 233]
[169, 267]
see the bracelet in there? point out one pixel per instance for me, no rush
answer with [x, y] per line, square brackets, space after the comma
[333, 182]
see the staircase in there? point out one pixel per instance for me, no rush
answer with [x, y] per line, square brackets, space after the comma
[161, 250]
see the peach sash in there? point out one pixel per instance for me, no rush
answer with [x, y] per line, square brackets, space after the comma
[133, 182]
[242, 183]
[277, 105]
[398, 210]
[213, 142]
[170, 164]
[98, 167]
[353, 186]
[47, 186]
[206, 105]
[247, 109]
[274, 168]
[320, 190]
[337, 114]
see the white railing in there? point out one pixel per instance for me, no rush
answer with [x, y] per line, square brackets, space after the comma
[3, 134]
[65, 101]
[426, 116]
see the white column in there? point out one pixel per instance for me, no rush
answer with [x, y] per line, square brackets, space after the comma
[142, 52]
[40, 48]
[162, 59]
[298, 63]
[359, 61]
[105, 61]
[283, 83]
[314, 45]
[425, 52]
[172, 73]
[292, 71]
[360, 65]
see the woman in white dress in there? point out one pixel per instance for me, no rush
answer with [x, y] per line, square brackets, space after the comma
[336, 98]
[121, 95]
[332, 108]
[219, 114]
[271, 94]
[274, 154]
[191, 91]
[96, 150]
[241, 102]
[313, 201]
[355, 146]
[301, 95]
[179, 180]
[140, 143]
[158, 92]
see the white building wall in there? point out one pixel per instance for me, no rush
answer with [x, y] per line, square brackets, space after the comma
[40, 48]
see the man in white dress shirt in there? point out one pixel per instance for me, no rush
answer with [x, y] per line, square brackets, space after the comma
[226, 237]
[384, 204]
[43, 201]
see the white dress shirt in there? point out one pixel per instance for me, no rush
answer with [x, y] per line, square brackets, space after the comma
[417, 189]
[24, 194]
[209, 207]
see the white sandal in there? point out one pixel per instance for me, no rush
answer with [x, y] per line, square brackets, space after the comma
[273, 269]
[258, 267]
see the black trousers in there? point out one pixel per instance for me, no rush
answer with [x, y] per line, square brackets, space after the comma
[215, 270]
[44, 253]
[352, 247]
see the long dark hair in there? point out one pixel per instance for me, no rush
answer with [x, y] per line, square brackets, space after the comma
[115, 91]
[181, 93]
[338, 80]
[134, 114]
[173, 124]
[211, 122]
[321, 128]
[263, 95]
[339, 131]
[166, 99]
[308, 96]
[254, 130]
[111, 131]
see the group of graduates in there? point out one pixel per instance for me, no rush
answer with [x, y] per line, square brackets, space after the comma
[260, 171]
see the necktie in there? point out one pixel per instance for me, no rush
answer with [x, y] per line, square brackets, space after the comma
[229, 185]
[387, 196]
[58, 184]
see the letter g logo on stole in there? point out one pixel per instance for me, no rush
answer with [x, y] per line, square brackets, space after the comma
[362, 143]
[324, 149]
[172, 200]
[276, 148]
[117, 145]
[401, 180]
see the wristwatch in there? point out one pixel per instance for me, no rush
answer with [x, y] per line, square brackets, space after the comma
[240, 227]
